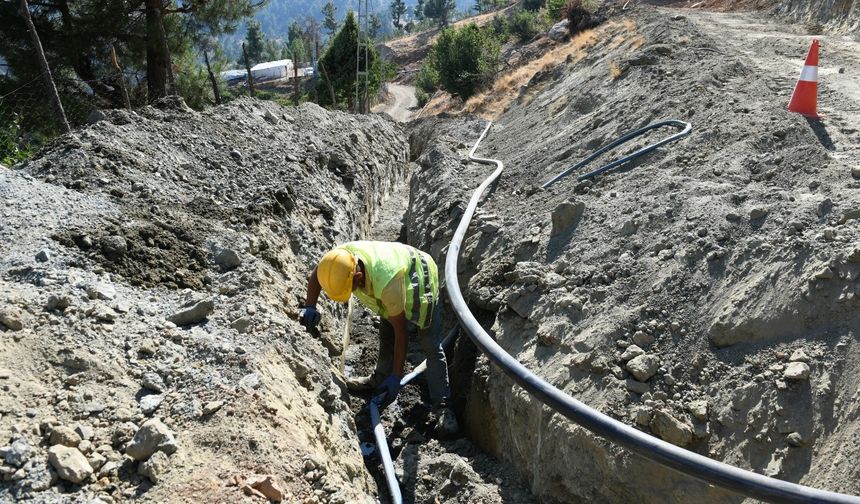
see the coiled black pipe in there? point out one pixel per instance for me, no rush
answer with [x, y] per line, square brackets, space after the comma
[703, 468]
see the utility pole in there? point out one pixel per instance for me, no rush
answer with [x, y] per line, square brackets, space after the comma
[56, 104]
[361, 58]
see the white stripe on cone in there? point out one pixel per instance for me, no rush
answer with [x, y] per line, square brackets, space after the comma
[809, 73]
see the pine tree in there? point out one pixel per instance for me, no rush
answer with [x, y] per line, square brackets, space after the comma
[255, 43]
[419, 10]
[439, 10]
[330, 18]
[337, 67]
[398, 9]
[374, 26]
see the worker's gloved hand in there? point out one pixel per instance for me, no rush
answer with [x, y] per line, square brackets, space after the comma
[390, 387]
[309, 316]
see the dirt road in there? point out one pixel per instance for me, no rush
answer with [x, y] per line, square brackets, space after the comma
[778, 52]
[402, 102]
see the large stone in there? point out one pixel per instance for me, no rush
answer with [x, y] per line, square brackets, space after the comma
[193, 314]
[19, 453]
[566, 216]
[70, 464]
[155, 467]
[101, 290]
[643, 367]
[150, 403]
[632, 351]
[227, 259]
[266, 485]
[12, 319]
[559, 31]
[152, 436]
[671, 429]
[66, 436]
[699, 409]
[796, 371]
[153, 381]
[114, 246]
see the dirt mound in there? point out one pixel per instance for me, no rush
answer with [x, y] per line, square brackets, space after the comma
[706, 293]
[149, 276]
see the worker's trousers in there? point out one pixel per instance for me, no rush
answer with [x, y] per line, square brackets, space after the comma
[430, 341]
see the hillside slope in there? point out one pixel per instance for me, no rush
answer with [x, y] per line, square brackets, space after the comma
[729, 259]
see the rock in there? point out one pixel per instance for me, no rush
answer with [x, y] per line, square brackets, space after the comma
[642, 338]
[631, 352]
[699, 409]
[101, 290]
[636, 386]
[152, 436]
[627, 228]
[824, 207]
[96, 116]
[212, 407]
[148, 347]
[43, 256]
[58, 302]
[854, 256]
[855, 172]
[227, 259]
[266, 485]
[757, 213]
[241, 325]
[96, 460]
[66, 436]
[796, 371]
[824, 274]
[643, 367]
[114, 247]
[12, 318]
[153, 381]
[559, 31]
[799, 356]
[670, 429]
[566, 216]
[236, 155]
[70, 464]
[194, 314]
[270, 117]
[251, 381]
[795, 439]
[150, 403]
[850, 215]
[643, 415]
[19, 453]
[155, 467]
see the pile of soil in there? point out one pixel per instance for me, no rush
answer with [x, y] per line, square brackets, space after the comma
[706, 293]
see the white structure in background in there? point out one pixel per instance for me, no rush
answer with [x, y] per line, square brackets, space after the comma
[272, 70]
[234, 76]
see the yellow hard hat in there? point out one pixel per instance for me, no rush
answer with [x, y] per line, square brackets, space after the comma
[335, 273]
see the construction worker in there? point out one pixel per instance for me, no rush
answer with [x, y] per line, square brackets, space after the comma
[400, 284]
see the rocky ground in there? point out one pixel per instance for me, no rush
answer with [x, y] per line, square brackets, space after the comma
[151, 269]
[706, 293]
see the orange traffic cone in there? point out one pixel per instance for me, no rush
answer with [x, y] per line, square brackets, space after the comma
[803, 100]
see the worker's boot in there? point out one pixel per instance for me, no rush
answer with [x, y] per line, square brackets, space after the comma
[446, 422]
[362, 383]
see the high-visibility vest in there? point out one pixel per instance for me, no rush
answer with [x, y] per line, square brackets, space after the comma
[382, 262]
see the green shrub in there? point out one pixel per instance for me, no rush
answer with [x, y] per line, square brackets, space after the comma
[427, 79]
[533, 5]
[466, 59]
[500, 27]
[12, 148]
[421, 96]
[554, 8]
[524, 25]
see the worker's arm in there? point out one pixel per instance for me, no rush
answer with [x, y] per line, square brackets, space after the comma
[401, 341]
[314, 289]
[308, 314]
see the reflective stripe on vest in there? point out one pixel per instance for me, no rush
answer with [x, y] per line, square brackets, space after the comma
[383, 261]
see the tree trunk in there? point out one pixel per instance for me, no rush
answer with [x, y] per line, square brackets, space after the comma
[328, 84]
[215, 90]
[156, 59]
[120, 78]
[248, 67]
[56, 104]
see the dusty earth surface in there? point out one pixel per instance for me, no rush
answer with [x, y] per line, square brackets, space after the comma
[400, 103]
[152, 264]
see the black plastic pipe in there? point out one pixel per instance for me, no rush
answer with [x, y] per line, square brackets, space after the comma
[700, 467]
